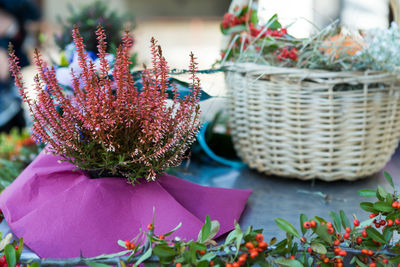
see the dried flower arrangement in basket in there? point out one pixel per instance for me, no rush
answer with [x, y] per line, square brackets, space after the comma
[326, 107]
[107, 126]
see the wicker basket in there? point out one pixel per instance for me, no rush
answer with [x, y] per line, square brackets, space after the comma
[299, 123]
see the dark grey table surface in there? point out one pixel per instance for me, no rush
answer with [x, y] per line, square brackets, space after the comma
[288, 198]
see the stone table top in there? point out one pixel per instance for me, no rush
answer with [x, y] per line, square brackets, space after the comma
[288, 198]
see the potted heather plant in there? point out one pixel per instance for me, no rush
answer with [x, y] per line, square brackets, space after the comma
[109, 129]
[103, 112]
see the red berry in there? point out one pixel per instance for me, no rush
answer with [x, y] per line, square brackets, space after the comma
[235, 264]
[178, 264]
[372, 215]
[336, 243]
[359, 240]
[329, 224]
[211, 263]
[356, 223]
[364, 233]
[330, 230]
[313, 223]
[150, 227]
[343, 253]
[383, 222]
[372, 264]
[307, 225]
[389, 222]
[263, 244]
[346, 236]
[127, 243]
[385, 261]
[309, 250]
[259, 237]
[397, 221]
[249, 245]
[253, 254]
[348, 229]
[162, 237]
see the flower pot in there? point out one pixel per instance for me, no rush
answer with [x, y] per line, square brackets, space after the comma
[62, 213]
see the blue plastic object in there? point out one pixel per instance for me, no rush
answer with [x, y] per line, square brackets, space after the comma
[202, 141]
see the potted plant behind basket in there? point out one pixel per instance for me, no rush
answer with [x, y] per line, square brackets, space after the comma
[323, 107]
[108, 129]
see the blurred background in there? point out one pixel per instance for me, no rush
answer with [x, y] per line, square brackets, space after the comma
[180, 26]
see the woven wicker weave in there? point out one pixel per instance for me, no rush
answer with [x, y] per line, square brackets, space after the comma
[296, 123]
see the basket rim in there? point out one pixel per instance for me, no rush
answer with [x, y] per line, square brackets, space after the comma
[251, 67]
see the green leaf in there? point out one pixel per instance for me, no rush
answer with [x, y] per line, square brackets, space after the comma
[303, 219]
[383, 206]
[163, 251]
[345, 220]
[382, 192]
[121, 243]
[319, 248]
[208, 257]
[96, 264]
[395, 260]
[388, 178]
[375, 235]
[34, 264]
[360, 263]
[238, 238]
[202, 264]
[287, 227]
[336, 220]
[173, 230]
[319, 219]
[20, 248]
[205, 230]
[109, 256]
[144, 257]
[322, 232]
[368, 206]
[273, 23]
[231, 236]
[287, 262]
[367, 193]
[11, 258]
[387, 234]
[234, 29]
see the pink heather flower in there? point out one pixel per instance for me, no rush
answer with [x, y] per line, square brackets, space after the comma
[107, 125]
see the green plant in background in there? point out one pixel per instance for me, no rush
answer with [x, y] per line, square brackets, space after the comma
[17, 150]
[87, 18]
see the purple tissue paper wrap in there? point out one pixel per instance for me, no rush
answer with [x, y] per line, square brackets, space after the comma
[62, 213]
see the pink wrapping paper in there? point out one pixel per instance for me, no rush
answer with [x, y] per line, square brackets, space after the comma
[62, 213]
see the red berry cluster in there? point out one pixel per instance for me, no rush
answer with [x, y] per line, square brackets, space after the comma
[254, 31]
[251, 249]
[287, 53]
[129, 245]
[230, 20]
[3, 260]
